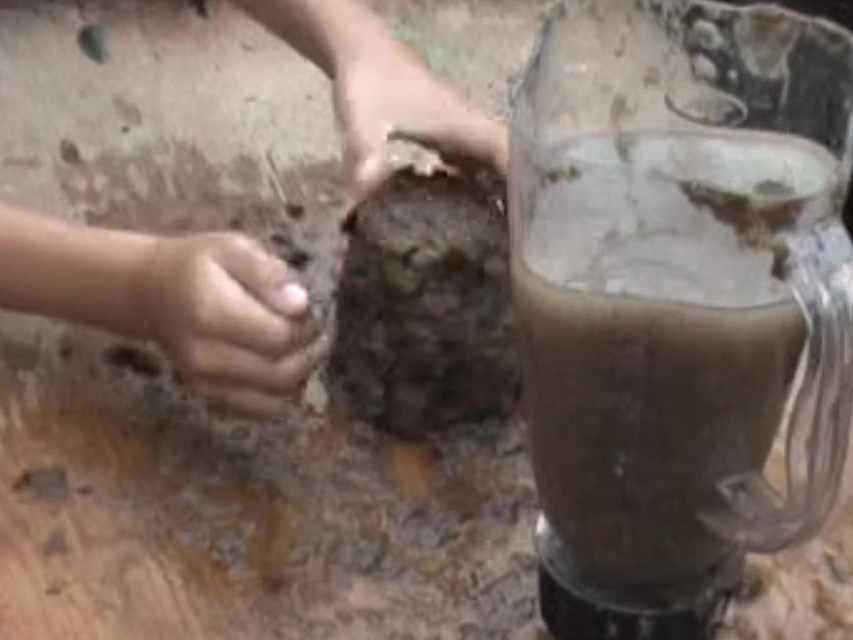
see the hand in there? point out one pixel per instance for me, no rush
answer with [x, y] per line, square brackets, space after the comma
[235, 323]
[386, 92]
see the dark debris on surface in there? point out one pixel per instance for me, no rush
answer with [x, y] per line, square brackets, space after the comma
[92, 40]
[69, 152]
[133, 359]
[48, 484]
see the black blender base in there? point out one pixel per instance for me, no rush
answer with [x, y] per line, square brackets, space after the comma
[569, 617]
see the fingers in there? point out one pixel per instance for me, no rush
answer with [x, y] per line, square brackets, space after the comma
[292, 302]
[500, 148]
[367, 166]
[238, 326]
[470, 132]
[225, 363]
[459, 132]
[264, 276]
[248, 300]
[247, 382]
[467, 132]
[367, 127]
[229, 314]
[367, 174]
[246, 401]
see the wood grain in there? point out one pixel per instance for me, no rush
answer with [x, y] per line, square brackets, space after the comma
[88, 565]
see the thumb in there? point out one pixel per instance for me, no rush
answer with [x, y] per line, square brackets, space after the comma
[266, 277]
[367, 174]
[367, 165]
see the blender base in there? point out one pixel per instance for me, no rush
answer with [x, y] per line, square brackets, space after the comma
[570, 617]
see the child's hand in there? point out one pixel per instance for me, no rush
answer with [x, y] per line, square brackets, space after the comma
[386, 92]
[382, 90]
[236, 325]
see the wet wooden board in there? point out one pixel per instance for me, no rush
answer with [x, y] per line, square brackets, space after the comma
[131, 512]
[76, 561]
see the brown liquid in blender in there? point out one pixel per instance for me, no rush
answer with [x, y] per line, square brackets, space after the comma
[637, 409]
[641, 401]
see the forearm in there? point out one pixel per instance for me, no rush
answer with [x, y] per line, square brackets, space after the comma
[80, 274]
[327, 32]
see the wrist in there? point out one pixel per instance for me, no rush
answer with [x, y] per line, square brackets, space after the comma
[85, 275]
[143, 289]
[113, 282]
[327, 32]
[346, 32]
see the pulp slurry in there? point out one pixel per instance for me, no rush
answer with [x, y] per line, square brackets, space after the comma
[173, 521]
[662, 345]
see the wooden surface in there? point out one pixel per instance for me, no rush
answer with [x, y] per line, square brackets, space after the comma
[131, 512]
[75, 561]
[127, 515]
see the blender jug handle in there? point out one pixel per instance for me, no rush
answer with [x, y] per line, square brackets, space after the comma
[756, 516]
